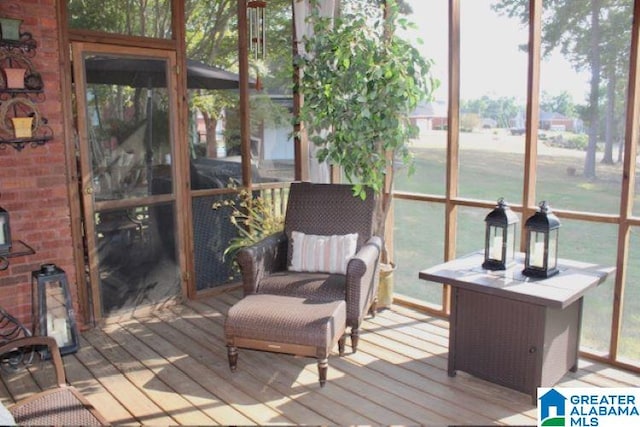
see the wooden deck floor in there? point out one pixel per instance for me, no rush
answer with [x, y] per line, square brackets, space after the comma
[171, 368]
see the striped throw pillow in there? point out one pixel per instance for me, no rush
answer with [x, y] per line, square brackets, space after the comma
[322, 254]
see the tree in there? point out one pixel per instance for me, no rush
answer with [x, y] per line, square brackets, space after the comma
[590, 34]
[616, 42]
[502, 109]
[149, 18]
[562, 104]
[212, 37]
[360, 82]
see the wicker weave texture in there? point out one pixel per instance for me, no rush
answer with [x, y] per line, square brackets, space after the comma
[286, 320]
[316, 286]
[61, 407]
[328, 209]
[499, 339]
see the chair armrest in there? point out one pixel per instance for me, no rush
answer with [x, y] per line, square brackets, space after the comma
[362, 279]
[261, 259]
[56, 359]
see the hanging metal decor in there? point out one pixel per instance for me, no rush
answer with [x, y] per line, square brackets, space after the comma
[257, 28]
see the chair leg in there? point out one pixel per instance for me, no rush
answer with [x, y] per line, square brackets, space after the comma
[355, 336]
[323, 367]
[232, 352]
[374, 307]
[341, 341]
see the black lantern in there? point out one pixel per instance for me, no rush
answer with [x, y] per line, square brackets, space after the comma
[52, 311]
[5, 232]
[542, 229]
[500, 239]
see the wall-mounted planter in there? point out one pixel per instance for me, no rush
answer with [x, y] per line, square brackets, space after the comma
[10, 28]
[15, 77]
[22, 126]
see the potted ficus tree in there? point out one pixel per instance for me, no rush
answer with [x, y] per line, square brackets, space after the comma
[360, 82]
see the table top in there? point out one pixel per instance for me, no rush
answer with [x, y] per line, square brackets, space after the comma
[559, 291]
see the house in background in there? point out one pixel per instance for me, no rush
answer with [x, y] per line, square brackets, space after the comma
[559, 122]
[430, 116]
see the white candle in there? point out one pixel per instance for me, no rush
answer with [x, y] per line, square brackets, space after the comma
[61, 331]
[49, 322]
[496, 249]
[537, 258]
[56, 336]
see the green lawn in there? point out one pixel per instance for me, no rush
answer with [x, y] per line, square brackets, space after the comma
[488, 175]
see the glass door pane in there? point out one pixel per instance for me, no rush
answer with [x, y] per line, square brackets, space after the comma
[126, 152]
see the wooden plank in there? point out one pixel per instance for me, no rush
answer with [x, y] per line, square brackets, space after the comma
[146, 379]
[19, 384]
[423, 370]
[387, 407]
[283, 373]
[212, 383]
[413, 329]
[129, 396]
[602, 375]
[271, 371]
[178, 380]
[389, 347]
[210, 373]
[5, 396]
[82, 378]
[172, 368]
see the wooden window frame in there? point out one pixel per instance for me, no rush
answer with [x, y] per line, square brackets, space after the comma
[624, 220]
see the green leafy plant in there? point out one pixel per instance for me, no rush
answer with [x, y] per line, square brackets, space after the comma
[360, 82]
[254, 217]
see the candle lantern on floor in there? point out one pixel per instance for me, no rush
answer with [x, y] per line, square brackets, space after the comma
[5, 232]
[500, 238]
[52, 311]
[541, 244]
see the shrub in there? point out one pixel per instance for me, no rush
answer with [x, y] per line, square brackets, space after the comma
[254, 218]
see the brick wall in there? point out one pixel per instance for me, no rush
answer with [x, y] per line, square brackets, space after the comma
[33, 182]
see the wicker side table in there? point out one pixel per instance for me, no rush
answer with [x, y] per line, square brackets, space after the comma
[512, 330]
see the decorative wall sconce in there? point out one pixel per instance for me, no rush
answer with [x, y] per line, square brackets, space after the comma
[5, 232]
[256, 11]
[52, 311]
[500, 238]
[541, 256]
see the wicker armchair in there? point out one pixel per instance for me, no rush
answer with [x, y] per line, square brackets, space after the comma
[62, 405]
[319, 209]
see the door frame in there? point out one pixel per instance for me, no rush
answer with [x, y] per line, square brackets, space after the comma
[178, 196]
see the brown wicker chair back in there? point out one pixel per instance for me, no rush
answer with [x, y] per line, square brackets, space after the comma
[326, 209]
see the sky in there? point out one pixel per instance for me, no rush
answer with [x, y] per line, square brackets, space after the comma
[491, 62]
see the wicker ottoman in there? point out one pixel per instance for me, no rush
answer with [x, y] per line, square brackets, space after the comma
[283, 324]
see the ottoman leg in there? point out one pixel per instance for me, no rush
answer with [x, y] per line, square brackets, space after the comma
[355, 336]
[232, 352]
[323, 366]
